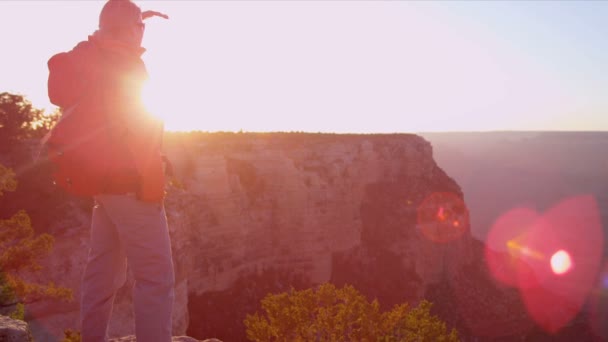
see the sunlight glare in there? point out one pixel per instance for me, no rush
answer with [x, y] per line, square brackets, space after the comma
[147, 98]
[561, 262]
[164, 103]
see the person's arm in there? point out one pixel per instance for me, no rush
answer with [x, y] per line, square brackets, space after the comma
[149, 14]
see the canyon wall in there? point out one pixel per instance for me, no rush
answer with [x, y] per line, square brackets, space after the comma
[256, 213]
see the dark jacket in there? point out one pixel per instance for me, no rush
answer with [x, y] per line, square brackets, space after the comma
[102, 80]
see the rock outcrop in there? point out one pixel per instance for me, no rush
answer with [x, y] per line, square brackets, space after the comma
[131, 338]
[258, 213]
[13, 330]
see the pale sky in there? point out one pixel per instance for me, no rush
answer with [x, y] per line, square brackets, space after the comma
[343, 66]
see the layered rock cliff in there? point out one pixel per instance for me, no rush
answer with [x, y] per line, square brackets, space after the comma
[258, 213]
[14, 330]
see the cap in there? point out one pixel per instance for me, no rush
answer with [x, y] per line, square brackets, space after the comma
[116, 13]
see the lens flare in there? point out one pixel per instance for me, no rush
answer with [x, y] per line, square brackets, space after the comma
[443, 217]
[519, 250]
[570, 232]
[506, 239]
[561, 262]
[552, 258]
[441, 214]
[599, 306]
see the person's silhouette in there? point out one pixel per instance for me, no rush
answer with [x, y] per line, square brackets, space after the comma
[103, 76]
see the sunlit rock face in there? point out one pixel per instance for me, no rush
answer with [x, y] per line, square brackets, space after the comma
[259, 201]
[258, 210]
[13, 330]
[251, 214]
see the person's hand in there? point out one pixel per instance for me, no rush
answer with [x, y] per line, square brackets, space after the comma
[149, 14]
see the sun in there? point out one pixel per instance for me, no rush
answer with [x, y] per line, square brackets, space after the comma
[164, 103]
[155, 102]
[561, 262]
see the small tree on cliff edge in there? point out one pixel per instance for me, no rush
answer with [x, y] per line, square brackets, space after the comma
[331, 314]
[20, 251]
[20, 120]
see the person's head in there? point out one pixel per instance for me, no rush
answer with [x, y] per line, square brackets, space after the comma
[122, 20]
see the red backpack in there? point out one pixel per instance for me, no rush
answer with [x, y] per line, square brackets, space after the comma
[87, 154]
[105, 142]
[80, 151]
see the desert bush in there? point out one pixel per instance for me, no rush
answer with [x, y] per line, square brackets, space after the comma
[328, 313]
[21, 250]
[20, 120]
[70, 335]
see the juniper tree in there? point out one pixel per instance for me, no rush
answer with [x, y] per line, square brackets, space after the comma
[20, 251]
[342, 314]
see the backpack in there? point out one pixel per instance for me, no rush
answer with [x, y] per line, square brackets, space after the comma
[93, 149]
[79, 150]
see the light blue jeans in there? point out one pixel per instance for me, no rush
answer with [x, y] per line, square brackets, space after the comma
[124, 229]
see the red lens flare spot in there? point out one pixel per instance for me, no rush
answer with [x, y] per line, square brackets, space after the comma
[536, 253]
[561, 262]
[570, 236]
[443, 217]
[441, 214]
[507, 249]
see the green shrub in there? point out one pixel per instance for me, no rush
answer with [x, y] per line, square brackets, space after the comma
[331, 314]
[70, 335]
[21, 250]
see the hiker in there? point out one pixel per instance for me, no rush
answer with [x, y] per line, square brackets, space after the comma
[99, 82]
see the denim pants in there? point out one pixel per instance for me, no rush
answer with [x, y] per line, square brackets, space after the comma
[127, 230]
